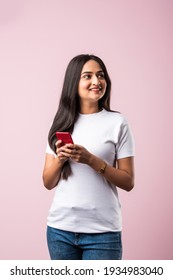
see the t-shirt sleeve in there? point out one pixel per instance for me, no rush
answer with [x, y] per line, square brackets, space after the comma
[125, 143]
[49, 150]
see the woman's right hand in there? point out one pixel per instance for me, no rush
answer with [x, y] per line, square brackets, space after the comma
[60, 156]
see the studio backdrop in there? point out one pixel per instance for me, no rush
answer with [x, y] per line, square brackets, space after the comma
[38, 38]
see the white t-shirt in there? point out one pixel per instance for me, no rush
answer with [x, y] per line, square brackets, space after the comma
[87, 202]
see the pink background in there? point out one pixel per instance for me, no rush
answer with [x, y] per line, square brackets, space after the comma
[37, 40]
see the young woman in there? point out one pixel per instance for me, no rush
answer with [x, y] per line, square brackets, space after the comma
[84, 221]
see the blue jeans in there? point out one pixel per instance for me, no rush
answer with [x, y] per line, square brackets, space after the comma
[66, 245]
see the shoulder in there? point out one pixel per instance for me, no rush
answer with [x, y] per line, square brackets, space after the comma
[115, 116]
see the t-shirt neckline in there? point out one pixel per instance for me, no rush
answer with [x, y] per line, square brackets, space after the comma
[92, 114]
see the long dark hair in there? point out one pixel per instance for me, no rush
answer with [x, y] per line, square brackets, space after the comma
[68, 109]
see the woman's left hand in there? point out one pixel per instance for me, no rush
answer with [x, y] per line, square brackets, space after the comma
[77, 153]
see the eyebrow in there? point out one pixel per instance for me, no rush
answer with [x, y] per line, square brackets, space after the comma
[89, 72]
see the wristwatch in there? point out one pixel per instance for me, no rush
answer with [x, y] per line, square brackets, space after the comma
[102, 169]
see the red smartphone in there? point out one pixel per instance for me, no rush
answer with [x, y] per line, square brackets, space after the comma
[65, 137]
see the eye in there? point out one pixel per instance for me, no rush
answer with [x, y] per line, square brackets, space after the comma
[87, 76]
[101, 76]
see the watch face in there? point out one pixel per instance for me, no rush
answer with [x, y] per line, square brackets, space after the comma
[102, 169]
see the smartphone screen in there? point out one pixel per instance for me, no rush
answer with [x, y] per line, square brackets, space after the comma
[65, 137]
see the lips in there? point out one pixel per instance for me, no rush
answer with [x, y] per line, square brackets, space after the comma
[96, 88]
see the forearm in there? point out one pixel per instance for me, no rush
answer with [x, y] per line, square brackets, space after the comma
[116, 176]
[52, 173]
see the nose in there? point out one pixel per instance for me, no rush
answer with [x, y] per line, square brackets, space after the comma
[95, 80]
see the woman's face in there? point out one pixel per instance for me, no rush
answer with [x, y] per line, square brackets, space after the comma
[92, 83]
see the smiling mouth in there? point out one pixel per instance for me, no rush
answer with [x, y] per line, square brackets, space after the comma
[96, 88]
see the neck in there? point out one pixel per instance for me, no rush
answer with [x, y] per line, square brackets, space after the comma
[89, 109]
